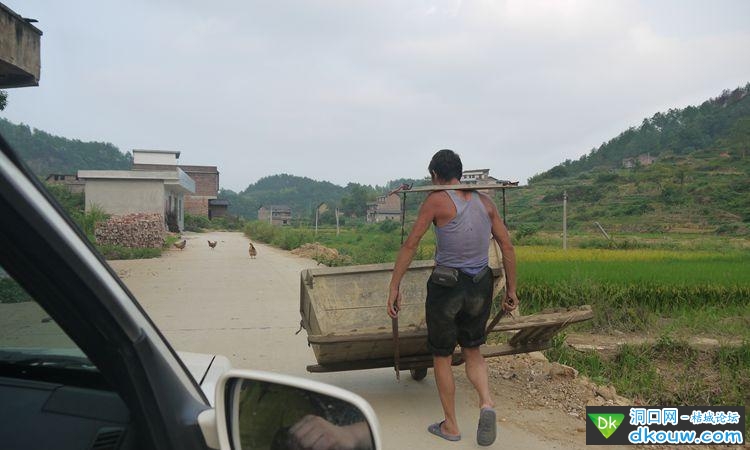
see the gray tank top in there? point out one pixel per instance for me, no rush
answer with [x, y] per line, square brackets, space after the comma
[463, 242]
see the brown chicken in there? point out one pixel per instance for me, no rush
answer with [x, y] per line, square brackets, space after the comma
[252, 251]
[180, 245]
[212, 244]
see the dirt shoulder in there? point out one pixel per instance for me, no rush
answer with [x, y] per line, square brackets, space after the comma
[538, 395]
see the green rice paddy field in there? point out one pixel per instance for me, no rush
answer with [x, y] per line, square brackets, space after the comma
[642, 290]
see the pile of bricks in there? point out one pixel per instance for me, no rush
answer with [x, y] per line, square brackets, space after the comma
[132, 230]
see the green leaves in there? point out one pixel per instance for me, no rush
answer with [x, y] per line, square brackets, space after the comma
[45, 153]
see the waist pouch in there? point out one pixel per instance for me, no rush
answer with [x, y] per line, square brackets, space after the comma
[478, 277]
[444, 276]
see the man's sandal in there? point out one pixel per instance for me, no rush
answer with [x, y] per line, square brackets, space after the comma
[436, 429]
[487, 429]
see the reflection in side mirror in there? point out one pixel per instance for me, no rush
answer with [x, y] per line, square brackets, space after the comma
[276, 412]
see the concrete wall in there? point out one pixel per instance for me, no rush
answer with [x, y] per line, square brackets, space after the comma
[205, 180]
[175, 202]
[161, 158]
[126, 196]
[470, 176]
[71, 182]
[20, 60]
[381, 217]
[281, 216]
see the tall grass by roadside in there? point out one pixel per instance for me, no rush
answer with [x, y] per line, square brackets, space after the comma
[113, 252]
[667, 372]
[362, 244]
[87, 220]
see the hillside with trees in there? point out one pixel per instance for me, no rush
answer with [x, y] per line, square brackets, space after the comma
[695, 176]
[719, 123]
[300, 193]
[45, 153]
[303, 195]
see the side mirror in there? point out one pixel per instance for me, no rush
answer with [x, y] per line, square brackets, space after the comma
[263, 410]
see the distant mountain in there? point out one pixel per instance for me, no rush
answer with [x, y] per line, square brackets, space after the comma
[685, 170]
[303, 195]
[45, 153]
[720, 123]
[300, 193]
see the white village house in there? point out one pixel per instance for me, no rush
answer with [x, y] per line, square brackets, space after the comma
[122, 192]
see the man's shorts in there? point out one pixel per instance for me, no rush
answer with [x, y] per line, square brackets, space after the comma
[458, 314]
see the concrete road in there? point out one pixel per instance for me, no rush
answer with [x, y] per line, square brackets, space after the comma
[221, 301]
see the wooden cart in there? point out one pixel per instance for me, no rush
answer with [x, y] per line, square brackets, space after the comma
[343, 310]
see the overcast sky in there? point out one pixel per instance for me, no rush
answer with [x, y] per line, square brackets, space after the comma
[367, 91]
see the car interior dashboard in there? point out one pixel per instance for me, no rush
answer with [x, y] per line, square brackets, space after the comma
[52, 408]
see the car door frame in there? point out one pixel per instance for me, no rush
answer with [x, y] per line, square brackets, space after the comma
[49, 256]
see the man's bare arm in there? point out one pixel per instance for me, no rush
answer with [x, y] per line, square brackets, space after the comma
[406, 254]
[502, 237]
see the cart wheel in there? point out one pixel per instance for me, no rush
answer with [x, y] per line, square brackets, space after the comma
[418, 374]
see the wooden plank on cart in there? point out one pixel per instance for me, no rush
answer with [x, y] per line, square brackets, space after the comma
[419, 361]
[539, 320]
[566, 317]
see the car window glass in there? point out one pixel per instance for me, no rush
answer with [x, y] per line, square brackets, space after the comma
[28, 336]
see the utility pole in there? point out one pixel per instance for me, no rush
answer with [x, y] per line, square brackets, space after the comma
[609, 238]
[317, 212]
[565, 220]
[337, 221]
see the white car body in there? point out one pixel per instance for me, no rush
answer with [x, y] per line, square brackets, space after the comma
[206, 369]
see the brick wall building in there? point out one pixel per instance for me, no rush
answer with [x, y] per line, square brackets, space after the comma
[206, 179]
[206, 189]
[386, 207]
